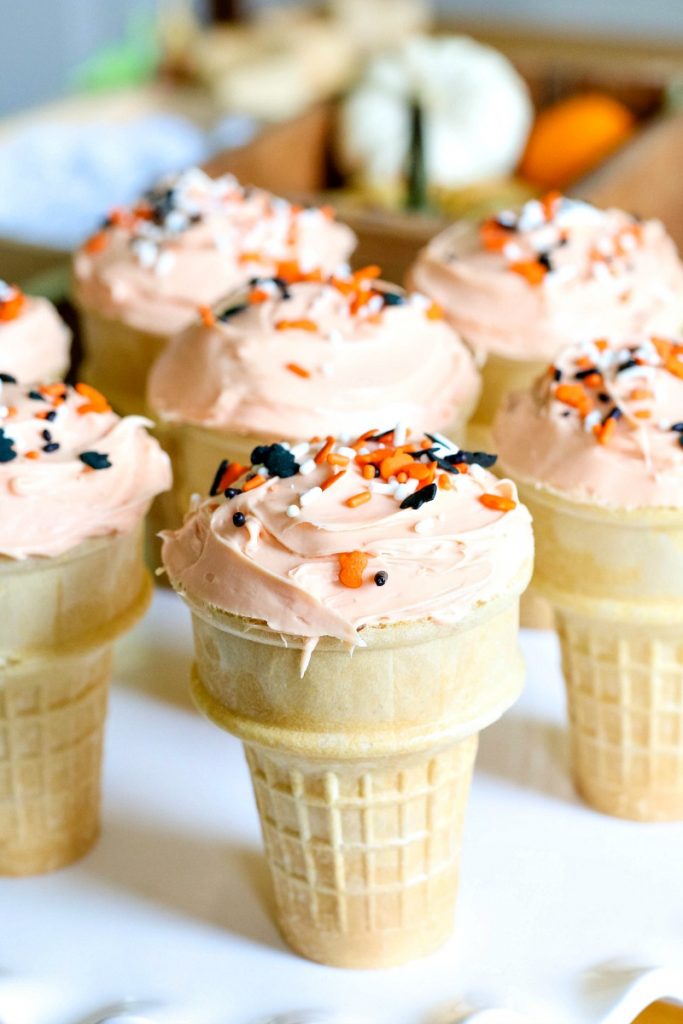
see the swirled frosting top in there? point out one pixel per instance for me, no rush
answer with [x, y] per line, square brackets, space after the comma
[34, 341]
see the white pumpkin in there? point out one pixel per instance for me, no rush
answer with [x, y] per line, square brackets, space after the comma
[477, 114]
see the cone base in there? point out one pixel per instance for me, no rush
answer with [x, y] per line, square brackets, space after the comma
[364, 857]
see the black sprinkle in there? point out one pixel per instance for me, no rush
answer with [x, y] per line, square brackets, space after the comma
[239, 519]
[277, 460]
[566, 412]
[678, 427]
[7, 378]
[627, 365]
[381, 577]
[96, 460]
[7, 452]
[232, 311]
[36, 396]
[614, 414]
[604, 397]
[557, 373]
[680, 440]
[418, 499]
[51, 415]
[232, 492]
[393, 299]
[46, 435]
[483, 459]
[544, 260]
[217, 478]
[51, 447]
[582, 374]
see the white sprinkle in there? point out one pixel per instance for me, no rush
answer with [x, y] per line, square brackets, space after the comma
[348, 452]
[374, 305]
[262, 471]
[285, 444]
[544, 239]
[380, 487]
[308, 497]
[637, 371]
[403, 490]
[300, 449]
[307, 467]
[399, 434]
[145, 251]
[335, 338]
[364, 451]
[293, 511]
[531, 216]
[328, 369]
[424, 525]
[512, 251]
[420, 301]
[164, 264]
[592, 420]
[176, 221]
[478, 473]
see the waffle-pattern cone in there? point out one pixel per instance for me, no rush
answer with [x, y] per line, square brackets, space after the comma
[615, 580]
[361, 768]
[58, 620]
[117, 360]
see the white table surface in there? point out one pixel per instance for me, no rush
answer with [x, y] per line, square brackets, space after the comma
[173, 904]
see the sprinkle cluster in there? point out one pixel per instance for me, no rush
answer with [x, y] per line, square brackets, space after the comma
[387, 463]
[179, 202]
[366, 299]
[47, 410]
[614, 389]
[530, 239]
[12, 301]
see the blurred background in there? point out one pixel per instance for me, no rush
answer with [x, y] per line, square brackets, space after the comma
[402, 113]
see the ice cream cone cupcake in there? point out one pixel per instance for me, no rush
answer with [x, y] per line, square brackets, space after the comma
[596, 450]
[356, 626]
[525, 284]
[75, 482]
[188, 242]
[34, 341]
[311, 357]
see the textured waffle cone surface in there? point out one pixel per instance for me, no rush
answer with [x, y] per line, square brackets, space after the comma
[361, 768]
[117, 360]
[615, 579]
[58, 620]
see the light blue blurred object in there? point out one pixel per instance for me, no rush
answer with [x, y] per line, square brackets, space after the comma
[57, 181]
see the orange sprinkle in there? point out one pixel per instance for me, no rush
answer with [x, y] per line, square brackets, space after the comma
[255, 481]
[393, 464]
[11, 411]
[593, 380]
[96, 400]
[338, 460]
[258, 295]
[444, 482]
[368, 472]
[252, 257]
[296, 325]
[604, 431]
[494, 237]
[601, 344]
[402, 477]
[531, 270]
[352, 564]
[574, 396]
[233, 471]
[331, 480]
[360, 441]
[324, 451]
[583, 362]
[288, 269]
[96, 243]
[32, 455]
[640, 394]
[11, 308]
[674, 365]
[421, 470]
[435, 312]
[358, 499]
[368, 273]
[497, 502]
[56, 390]
[207, 316]
[300, 371]
[462, 467]
[642, 414]
[549, 202]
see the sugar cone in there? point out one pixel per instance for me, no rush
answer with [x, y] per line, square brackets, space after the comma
[117, 360]
[58, 620]
[361, 767]
[615, 580]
